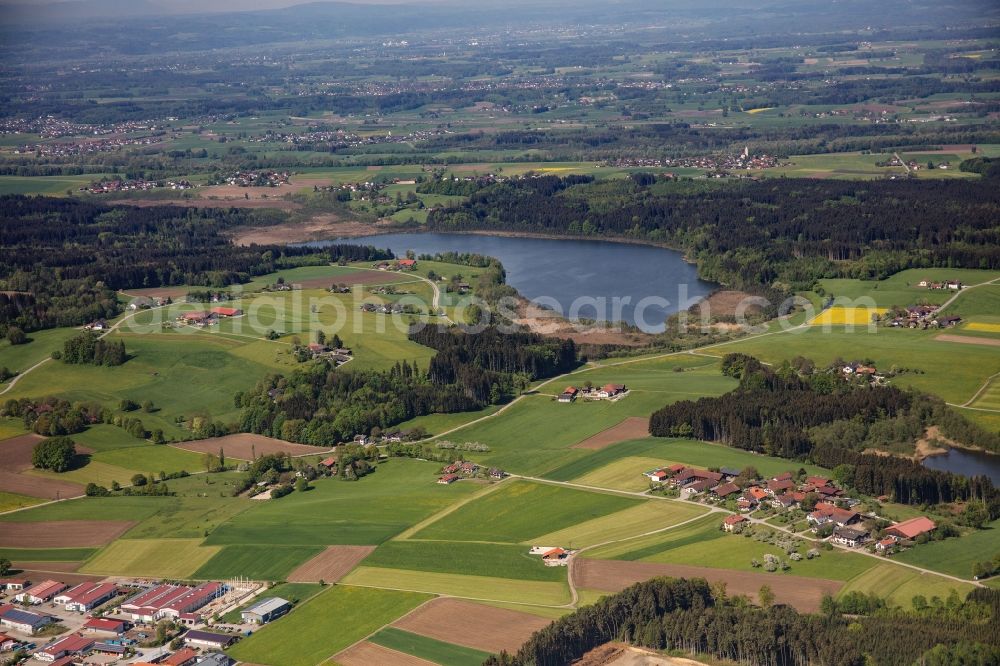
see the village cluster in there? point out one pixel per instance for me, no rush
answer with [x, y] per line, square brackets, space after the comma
[742, 160]
[463, 469]
[266, 178]
[827, 512]
[134, 185]
[155, 622]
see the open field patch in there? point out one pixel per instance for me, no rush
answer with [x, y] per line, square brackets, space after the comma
[16, 451]
[633, 427]
[623, 474]
[437, 651]
[521, 511]
[467, 558]
[62, 534]
[898, 585]
[651, 515]
[968, 340]
[330, 565]
[255, 562]
[803, 593]
[13, 501]
[458, 585]
[47, 555]
[475, 625]
[165, 558]
[324, 625]
[367, 653]
[245, 446]
[367, 512]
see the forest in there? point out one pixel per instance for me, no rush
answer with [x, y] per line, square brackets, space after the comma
[783, 413]
[753, 235]
[320, 405]
[62, 260]
[692, 618]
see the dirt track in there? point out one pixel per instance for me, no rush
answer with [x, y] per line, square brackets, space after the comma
[331, 565]
[969, 340]
[366, 654]
[244, 446]
[634, 427]
[473, 625]
[803, 593]
[62, 533]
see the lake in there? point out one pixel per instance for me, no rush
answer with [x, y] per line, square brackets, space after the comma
[580, 279]
[967, 463]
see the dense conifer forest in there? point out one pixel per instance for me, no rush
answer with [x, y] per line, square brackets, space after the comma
[693, 618]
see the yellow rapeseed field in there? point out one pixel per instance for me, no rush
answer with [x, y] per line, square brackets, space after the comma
[843, 316]
[983, 327]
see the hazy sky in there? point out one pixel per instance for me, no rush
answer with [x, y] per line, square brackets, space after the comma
[223, 5]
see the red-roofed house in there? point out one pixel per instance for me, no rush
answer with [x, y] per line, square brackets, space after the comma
[227, 312]
[657, 475]
[731, 522]
[65, 646]
[42, 592]
[886, 544]
[182, 657]
[7, 643]
[408, 264]
[912, 528]
[569, 395]
[817, 481]
[448, 478]
[829, 513]
[784, 476]
[329, 463]
[725, 489]
[777, 487]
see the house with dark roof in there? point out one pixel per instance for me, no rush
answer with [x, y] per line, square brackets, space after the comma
[21, 620]
[207, 639]
[266, 610]
[849, 536]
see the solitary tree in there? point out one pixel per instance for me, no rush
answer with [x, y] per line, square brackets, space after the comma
[55, 454]
[765, 596]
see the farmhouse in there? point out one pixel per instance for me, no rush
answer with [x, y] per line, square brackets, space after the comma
[86, 596]
[227, 312]
[106, 625]
[568, 395]
[886, 544]
[731, 523]
[65, 646]
[7, 643]
[40, 593]
[206, 639]
[21, 620]
[775, 487]
[198, 318]
[849, 537]
[611, 391]
[266, 610]
[724, 490]
[407, 264]
[912, 528]
[697, 487]
[829, 513]
[448, 478]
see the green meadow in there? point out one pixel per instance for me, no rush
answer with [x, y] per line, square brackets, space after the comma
[324, 625]
[166, 558]
[520, 511]
[257, 562]
[475, 559]
[365, 512]
[431, 649]
[461, 585]
[956, 556]
[46, 554]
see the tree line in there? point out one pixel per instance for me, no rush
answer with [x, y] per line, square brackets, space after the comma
[691, 617]
[785, 232]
